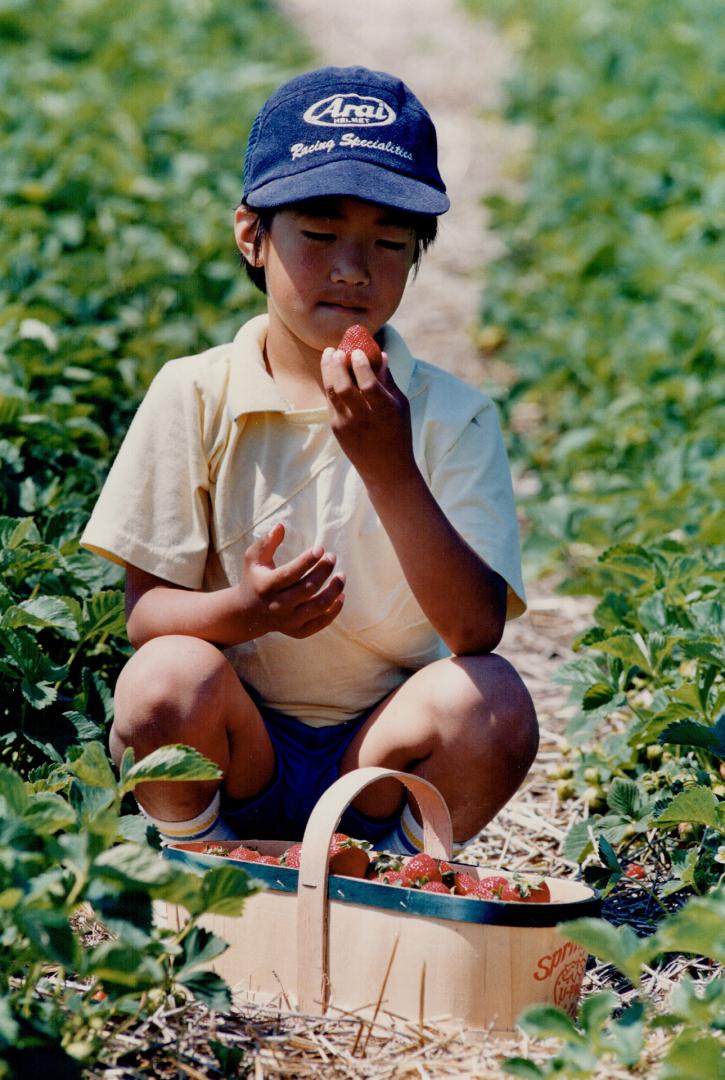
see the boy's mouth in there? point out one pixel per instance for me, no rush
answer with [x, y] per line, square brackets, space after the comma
[342, 306]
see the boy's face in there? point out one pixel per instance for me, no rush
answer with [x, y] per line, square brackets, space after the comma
[331, 263]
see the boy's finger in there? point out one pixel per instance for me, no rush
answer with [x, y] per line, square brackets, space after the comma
[316, 603]
[321, 621]
[263, 549]
[290, 574]
[336, 376]
[365, 377]
[302, 592]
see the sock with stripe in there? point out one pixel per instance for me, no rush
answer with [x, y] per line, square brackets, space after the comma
[407, 837]
[208, 825]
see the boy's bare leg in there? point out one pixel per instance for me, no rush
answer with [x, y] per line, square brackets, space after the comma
[467, 724]
[178, 689]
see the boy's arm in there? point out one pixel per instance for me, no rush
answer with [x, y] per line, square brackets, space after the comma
[463, 597]
[294, 599]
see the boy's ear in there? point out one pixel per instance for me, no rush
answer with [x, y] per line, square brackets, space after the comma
[246, 222]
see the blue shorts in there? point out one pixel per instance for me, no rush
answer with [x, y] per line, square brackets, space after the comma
[307, 762]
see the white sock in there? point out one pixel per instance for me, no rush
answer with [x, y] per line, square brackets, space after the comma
[407, 837]
[208, 825]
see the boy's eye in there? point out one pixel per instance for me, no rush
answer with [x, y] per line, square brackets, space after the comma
[393, 245]
[320, 236]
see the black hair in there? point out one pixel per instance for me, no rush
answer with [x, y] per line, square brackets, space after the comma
[424, 226]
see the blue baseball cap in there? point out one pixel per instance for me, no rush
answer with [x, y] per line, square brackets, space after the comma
[344, 131]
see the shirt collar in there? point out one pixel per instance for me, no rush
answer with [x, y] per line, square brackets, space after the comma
[251, 387]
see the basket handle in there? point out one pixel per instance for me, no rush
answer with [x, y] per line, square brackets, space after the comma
[313, 975]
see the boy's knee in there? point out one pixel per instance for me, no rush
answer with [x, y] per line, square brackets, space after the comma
[496, 708]
[164, 687]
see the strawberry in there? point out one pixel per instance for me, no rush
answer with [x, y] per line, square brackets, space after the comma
[245, 853]
[448, 874]
[465, 884]
[482, 893]
[420, 869]
[269, 860]
[215, 849]
[359, 337]
[435, 886]
[382, 862]
[524, 891]
[495, 884]
[636, 871]
[348, 857]
[291, 857]
[388, 877]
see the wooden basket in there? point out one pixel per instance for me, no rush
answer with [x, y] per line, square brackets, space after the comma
[317, 942]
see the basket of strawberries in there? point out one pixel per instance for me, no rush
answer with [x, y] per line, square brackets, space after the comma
[341, 927]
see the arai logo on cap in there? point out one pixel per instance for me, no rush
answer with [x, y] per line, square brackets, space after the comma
[350, 110]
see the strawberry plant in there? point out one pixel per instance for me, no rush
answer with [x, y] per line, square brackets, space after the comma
[66, 852]
[122, 160]
[607, 303]
[693, 1025]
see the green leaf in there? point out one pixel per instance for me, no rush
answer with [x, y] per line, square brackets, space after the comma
[93, 767]
[199, 947]
[118, 964]
[548, 1022]
[597, 695]
[12, 789]
[696, 928]
[103, 614]
[596, 1009]
[47, 813]
[9, 1027]
[608, 855]
[210, 989]
[697, 805]
[577, 844]
[692, 733]
[174, 762]
[624, 797]
[43, 611]
[693, 1056]
[523, 1068]
[627, 1035]
[51, 934]
[617, 945]
[134, 867]
[223, 891]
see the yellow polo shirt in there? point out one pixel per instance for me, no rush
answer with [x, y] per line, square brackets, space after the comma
[215, 456]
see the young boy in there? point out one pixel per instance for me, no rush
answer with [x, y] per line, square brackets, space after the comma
[321, 552]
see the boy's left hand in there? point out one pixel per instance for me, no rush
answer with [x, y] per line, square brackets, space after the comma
[369, 415]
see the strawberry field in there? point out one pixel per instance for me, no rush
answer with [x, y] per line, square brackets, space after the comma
[603, 322]
[608, 308]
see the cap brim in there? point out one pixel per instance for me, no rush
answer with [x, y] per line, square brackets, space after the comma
[356, 179]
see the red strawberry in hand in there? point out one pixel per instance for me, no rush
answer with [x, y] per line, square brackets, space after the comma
[358, 337]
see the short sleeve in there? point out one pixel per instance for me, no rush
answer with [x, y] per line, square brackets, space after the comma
[153, 510]
[472, 484]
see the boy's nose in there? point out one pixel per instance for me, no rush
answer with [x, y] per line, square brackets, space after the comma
[350, 268]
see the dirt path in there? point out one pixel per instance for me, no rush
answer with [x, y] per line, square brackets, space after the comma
[456, 65]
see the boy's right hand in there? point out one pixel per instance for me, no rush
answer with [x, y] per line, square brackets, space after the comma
[293, 598]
